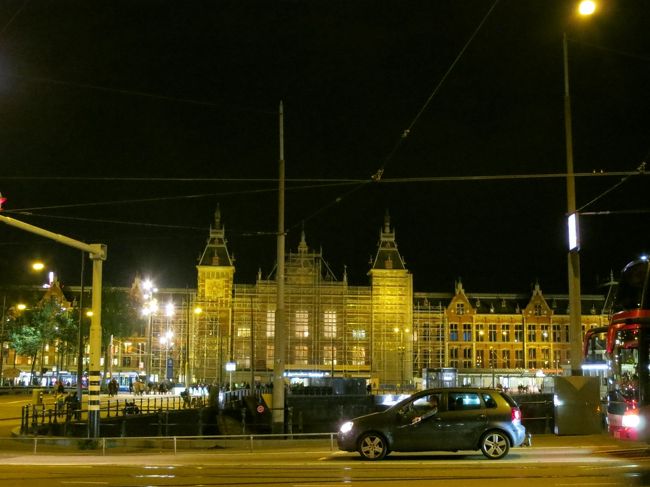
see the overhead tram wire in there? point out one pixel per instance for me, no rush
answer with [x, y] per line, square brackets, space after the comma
[435, 91]
[639, 171]
[358, 183]
[167, 198]
[377, 176]
[13, 18]
[120, 91]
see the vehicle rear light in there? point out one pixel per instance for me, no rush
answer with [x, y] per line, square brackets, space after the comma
[631, 419]
[515, 414]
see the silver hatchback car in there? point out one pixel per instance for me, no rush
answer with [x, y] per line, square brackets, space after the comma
[447, 419]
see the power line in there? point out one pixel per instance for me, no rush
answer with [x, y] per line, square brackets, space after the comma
[325, 181]
[377, 176]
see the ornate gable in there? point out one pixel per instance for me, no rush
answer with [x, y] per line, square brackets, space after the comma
[537, 306]
[459, 304]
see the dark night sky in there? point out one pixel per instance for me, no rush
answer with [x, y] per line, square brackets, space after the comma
[182, 94]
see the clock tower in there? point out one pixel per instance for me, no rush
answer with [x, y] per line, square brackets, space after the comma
[213, 308]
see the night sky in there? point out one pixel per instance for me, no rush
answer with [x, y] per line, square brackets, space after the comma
[128, 122]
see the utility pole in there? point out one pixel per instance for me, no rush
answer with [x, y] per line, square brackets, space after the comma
[573, 258]
[80, 336]
[279, 340]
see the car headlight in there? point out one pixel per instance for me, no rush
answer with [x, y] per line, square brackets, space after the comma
[346, 427]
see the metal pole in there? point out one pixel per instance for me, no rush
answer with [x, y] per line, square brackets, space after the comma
[80, 352]
[94, 375]
[149, 346]
[252, 383]
[2, 341]
[279, 340]
[575, 311]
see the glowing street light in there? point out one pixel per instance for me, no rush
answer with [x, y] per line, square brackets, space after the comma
[587, 7]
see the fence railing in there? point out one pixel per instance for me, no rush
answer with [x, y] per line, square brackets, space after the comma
[35, 416]
[170, 444]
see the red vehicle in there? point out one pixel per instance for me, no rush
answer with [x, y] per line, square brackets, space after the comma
[627, 351]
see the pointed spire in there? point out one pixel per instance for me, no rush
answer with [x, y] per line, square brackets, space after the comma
[388, 257]
[217, 218]
[216, 251]
[459, 287]
[345, 273]
[302, 246]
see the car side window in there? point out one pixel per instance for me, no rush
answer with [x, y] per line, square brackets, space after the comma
[489, 400]
[463, 401]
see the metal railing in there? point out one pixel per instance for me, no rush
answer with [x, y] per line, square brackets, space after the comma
[170, 444]
[35, 416]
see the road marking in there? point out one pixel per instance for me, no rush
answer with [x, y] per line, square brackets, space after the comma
[82, 482]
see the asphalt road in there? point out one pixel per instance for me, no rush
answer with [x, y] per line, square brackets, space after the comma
[579, 465]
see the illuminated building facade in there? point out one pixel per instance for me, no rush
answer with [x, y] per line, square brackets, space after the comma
[384, 332]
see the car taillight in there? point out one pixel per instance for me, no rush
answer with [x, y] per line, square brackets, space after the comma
[515, 414]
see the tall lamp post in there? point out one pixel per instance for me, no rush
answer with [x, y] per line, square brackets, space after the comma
[575, 312]
[150, 307]
[166, 341]
[169, 313]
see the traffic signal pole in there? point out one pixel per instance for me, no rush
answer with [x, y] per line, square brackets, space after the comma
[97, 253]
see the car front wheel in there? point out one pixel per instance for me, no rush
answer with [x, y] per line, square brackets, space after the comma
[373, 446]
[495, 445]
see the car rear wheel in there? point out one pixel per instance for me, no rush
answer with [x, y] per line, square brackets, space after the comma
[373, 446]
[495, 445]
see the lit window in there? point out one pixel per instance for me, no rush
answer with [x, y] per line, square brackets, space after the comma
[358, 355]
[329, 355]
[270, 323]
[302, 324]
[301, 353]
[329, 324]
[453, 332]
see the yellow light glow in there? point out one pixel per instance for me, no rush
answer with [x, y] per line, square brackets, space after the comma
[21, 306]
[89, 313]
[198, 311]
[587, 7]
[38, 266]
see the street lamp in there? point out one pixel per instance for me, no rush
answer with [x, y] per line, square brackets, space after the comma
[189, 350]
[149, 308]
[166, 341]
[575, 311]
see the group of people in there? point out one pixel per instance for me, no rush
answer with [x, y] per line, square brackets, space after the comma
[67, 404]
[139, 388]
